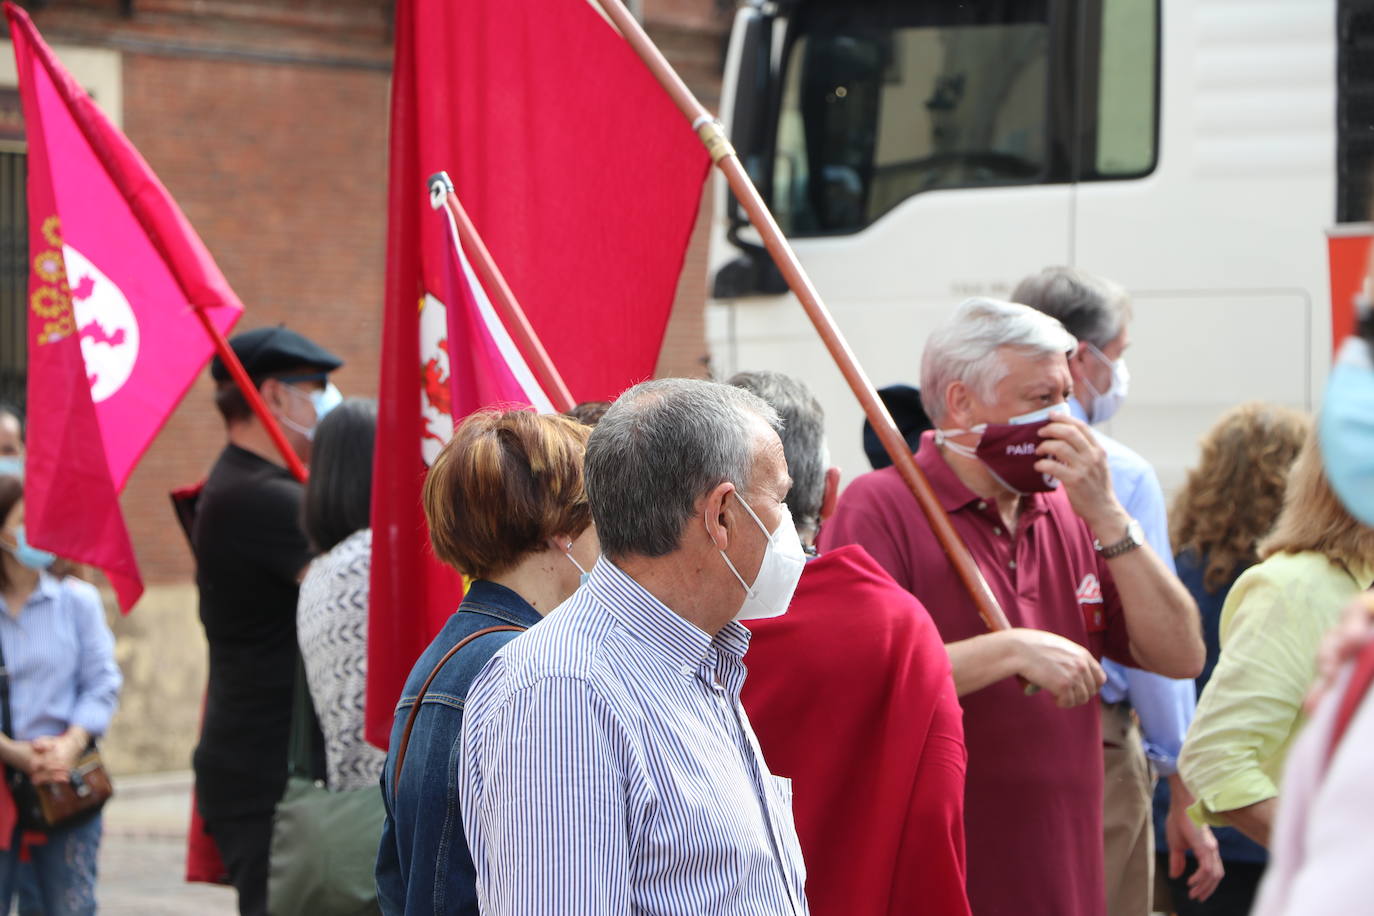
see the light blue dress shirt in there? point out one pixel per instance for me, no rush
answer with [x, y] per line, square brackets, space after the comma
[608, 768]
[1165, 705]
[60, 656]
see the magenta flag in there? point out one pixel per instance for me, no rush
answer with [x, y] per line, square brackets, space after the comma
[118, 284]
[485, 366]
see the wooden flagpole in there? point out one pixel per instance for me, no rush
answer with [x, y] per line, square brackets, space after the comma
[502, 298]
[712, 135]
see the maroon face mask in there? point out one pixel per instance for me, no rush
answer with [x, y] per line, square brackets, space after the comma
[1008, 451]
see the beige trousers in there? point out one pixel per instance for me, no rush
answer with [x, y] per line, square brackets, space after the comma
[1126, 814]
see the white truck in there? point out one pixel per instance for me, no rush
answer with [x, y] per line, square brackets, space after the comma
[918, 152]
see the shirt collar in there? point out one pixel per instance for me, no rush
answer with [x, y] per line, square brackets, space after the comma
[952, 492]
[486, 597]
[47, 590]
[1076, 409]
[657, 625]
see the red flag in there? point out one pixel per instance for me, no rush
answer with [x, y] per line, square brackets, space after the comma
[117, 276]
[583, 180]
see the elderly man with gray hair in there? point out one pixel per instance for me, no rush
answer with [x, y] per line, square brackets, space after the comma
[608, 766]
[1027, 487]
[1097, 312]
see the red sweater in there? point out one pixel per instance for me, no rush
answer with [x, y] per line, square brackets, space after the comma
[851, 697]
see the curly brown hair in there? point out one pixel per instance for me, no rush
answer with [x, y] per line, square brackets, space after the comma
[1234, 495]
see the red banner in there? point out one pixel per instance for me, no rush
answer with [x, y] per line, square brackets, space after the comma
[584, 182]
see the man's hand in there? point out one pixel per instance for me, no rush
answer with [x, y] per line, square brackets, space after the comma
[1058, 665]
[1184, 836]
[1354, 631]
[1071, 454]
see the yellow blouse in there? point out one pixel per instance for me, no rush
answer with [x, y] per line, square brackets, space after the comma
[1271, 627]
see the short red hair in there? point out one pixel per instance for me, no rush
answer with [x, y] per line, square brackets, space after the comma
[505, 483]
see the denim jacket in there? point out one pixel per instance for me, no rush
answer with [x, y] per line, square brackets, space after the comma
[423, 864]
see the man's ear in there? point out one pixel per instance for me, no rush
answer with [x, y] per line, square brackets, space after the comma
[718, 526]
[832, 492]
[960, 405]
[1078, 361]
[273, 392]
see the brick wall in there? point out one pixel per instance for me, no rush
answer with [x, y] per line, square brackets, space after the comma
[268, 124]
[282, 170]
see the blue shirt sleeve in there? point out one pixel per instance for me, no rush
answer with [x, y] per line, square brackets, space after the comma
[1165, 706]
[98, 679]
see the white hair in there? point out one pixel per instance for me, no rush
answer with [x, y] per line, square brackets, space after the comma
[965, 348]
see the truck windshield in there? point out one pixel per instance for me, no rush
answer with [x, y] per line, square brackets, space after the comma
[875, 108]
[884, 99]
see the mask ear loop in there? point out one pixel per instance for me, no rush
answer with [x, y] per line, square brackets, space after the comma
[749, 592]
[567, 552]
[942, 439]
[1111, 367]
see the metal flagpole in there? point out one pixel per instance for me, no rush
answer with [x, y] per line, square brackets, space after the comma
[512, 315]
[712, 135]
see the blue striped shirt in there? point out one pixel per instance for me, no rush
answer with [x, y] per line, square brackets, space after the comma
[60, 655]
[609, 768]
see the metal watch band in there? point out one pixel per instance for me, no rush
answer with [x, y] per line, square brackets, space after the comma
[1127, 543]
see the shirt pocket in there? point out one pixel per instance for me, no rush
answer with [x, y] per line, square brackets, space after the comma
[780, 811]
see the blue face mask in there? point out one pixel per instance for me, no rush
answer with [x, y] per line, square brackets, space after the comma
[11, 466]
[1345, 430]
[323, 400]
[29, 556]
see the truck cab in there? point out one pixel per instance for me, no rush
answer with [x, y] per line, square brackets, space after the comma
[918, 152]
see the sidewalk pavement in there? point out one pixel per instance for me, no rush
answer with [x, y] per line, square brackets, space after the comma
[143, 853]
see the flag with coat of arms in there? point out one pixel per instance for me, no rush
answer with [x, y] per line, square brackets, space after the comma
[120, 291]
[584, 182]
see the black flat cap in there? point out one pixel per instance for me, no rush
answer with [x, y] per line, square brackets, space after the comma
[904, 403]
[266, 350]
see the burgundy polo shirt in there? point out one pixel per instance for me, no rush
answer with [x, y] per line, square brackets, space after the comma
[1033, 797]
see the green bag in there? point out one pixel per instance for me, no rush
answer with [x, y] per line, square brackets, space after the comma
[324, 844]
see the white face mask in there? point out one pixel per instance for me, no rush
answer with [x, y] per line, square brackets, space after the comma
[1101, 406]
[781, 569]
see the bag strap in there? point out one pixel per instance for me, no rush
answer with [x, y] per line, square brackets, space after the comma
[6, 723]
[299, 757]
[419, 697]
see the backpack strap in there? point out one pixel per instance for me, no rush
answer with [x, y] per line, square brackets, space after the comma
[414, 710]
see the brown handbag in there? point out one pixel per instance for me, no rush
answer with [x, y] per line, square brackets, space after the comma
[54, 805]
[414, 710]
[63, 804]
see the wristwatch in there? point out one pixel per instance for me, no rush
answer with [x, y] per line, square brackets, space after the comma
[1135, 536]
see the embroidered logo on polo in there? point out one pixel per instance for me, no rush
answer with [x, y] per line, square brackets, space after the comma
[1089, 595]
[1089, 590]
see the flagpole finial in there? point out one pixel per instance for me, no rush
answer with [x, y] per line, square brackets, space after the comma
[440, 187]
